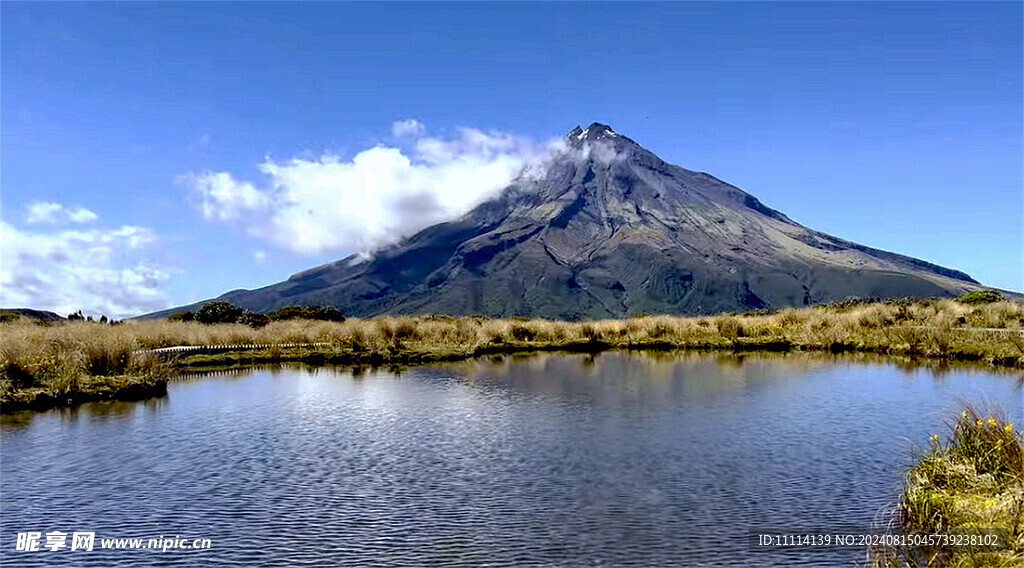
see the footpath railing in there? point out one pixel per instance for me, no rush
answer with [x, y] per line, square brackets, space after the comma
[982, 329]
[183, 350]
[209, 349]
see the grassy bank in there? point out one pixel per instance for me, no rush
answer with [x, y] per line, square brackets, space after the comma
[43, 366]
[65, 361]
[972, 480]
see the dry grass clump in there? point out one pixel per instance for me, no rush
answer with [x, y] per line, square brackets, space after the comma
[973, 480]
[66, 362]
[998, 315]
[58, 356]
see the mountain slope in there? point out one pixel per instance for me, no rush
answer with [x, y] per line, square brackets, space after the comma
[609, 230]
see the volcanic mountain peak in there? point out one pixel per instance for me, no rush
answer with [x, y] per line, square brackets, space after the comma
[596, 132]
[609, 230]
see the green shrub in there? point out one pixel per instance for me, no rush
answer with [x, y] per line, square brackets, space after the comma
[8, 317]
[254, 319]
[324, 313]
[182, 316]
[308, 312]
[287, 313]
[980, 297]
[218, 312]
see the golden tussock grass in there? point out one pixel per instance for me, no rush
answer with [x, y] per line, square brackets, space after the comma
[58, 358]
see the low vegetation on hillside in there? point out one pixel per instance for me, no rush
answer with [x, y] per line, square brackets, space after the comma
[224, 312]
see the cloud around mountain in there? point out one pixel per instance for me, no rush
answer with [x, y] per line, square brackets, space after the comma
[332, 204]
[63, 258]
[609, 230]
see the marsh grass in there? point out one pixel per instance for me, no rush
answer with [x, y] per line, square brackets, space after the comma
[46, 365]
[972, 480]
[57, 358]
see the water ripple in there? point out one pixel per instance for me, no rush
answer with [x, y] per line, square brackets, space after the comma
[609, 461]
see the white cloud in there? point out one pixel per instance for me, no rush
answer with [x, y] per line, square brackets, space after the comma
[603, 152]
[407, 127]
[332, 205]
[101, 271]
[259, 256]
[224, 199]
[81, 216]
[50, 213]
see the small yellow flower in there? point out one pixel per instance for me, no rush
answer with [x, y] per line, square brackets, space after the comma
[992, 422]
[1008, 428]
[979, 424]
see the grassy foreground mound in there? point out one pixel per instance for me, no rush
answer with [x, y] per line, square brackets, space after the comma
[42, 366]
[71, 360]
[974, 480]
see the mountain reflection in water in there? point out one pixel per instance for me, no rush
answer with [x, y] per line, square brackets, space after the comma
[614, 459]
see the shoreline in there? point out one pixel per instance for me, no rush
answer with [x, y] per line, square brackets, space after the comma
[970, 482]
[154, 384]
[44, 366]
[930, 503]
[126, 389]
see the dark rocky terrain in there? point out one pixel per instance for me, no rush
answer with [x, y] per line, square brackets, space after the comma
[609, 230]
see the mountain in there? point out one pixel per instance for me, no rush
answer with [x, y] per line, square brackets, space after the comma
[37, 315]
[609, 230]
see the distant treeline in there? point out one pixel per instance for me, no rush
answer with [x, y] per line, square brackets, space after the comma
[41, 316]
[226, 312]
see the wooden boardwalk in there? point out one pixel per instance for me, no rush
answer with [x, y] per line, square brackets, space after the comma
[186, 350]
[981, 329]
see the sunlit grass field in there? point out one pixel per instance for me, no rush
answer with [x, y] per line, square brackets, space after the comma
[65, 358]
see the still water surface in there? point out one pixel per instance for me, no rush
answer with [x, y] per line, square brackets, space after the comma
[547, 460]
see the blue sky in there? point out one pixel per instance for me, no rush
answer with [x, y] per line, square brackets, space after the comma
[146, 147]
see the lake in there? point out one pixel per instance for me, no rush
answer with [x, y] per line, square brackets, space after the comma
[618, 459]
